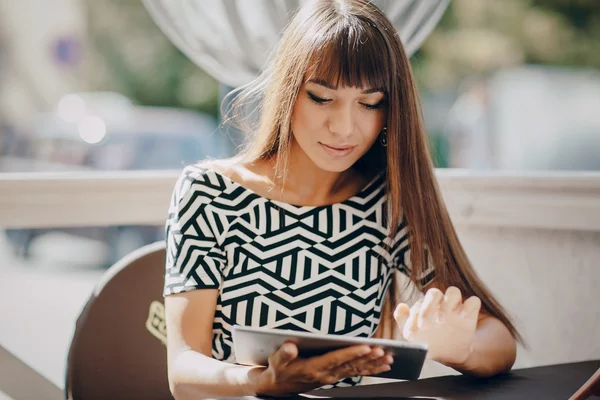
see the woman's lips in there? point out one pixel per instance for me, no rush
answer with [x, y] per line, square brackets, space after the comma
[337, 151]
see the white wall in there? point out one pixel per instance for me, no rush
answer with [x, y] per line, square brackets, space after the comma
[549, 280]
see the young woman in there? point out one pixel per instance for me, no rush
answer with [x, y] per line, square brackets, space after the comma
[306, 228]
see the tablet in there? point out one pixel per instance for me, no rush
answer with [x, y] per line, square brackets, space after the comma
[253, 346]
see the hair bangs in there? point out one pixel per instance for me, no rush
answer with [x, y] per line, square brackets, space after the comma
[352, 54]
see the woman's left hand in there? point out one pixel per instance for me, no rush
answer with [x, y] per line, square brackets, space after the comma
[442, 321]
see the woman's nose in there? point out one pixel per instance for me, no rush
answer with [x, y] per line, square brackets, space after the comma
[341, 122]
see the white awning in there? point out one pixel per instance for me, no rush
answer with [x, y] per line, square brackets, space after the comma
[231, 39]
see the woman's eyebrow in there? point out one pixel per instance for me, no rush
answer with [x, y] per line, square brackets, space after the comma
[373, 90]
[323, 83]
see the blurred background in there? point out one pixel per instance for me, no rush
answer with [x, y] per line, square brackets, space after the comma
[514, 85]
[94, 85]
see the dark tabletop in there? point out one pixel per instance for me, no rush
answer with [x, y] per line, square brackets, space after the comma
[551, 382]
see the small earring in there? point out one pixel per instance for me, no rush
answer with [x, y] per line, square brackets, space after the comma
[384, 141]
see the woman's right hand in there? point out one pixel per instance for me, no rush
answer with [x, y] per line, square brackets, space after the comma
[288, 374]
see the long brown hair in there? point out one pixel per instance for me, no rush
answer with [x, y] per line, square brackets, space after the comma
[352, 43]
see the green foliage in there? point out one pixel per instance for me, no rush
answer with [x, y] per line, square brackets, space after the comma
[477, 37]
[130, 55]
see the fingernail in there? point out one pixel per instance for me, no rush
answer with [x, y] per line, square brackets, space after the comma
[389, 359]
[377, 353]
[364, 351]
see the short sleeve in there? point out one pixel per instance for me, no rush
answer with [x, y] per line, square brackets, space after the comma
[194, 258]
[400, 253]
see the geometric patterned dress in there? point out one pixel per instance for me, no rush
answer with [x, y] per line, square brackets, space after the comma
[319, 269]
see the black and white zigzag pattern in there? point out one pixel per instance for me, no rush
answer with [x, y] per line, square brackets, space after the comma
[318, 269]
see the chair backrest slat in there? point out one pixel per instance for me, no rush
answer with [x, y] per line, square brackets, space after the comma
[118, 349]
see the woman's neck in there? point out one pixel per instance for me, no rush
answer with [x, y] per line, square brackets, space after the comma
[303, 182]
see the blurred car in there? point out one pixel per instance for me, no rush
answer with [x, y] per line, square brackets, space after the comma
[105, 132]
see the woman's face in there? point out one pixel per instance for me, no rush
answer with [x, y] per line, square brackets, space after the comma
[335, 127]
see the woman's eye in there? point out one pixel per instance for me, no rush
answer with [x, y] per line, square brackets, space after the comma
[372, 106]
[317, 99]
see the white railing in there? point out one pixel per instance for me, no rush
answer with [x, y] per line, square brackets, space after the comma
[533, 200]
[84, 198]
[532, 237]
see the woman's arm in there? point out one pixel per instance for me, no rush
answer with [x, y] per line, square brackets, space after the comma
[193, 373]
[494, 349]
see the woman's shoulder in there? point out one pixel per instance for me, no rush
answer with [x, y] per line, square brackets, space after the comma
[253, 176]
[205, 176]
[208, 169]
[216, 175]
